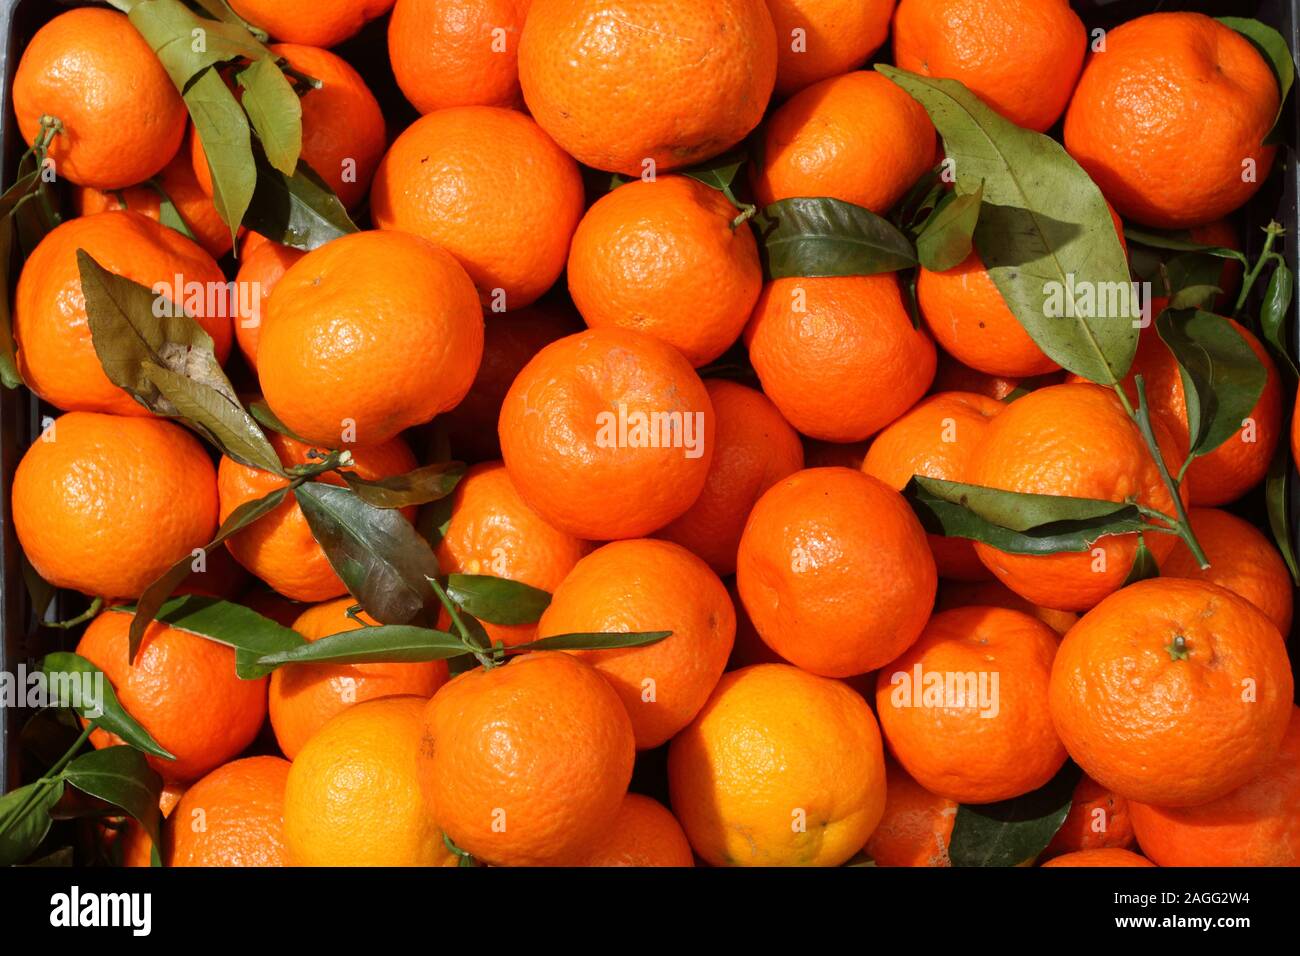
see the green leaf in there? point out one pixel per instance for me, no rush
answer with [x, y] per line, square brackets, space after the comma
[262, 413]
[1277, 500]
[1179, 241]
[417, 487]
[25, 818]
[945, 240]
[63, 672]
[1017, 522]
[497, 600]
[720, 172]
[1276, 53]
[168, 214]
[227, 142]
[157, 593]
[298, 210]
[1013, 831]
[276, 111]
[911, 212]
[1222, 377]
[187, 44]
[250, 634]
[1193, 297]
[121, 776]
[149, 346]
[1144, 564]
[380, 557]
[389, 643]
[1273, 324]
[592, 641]
[220, 10]
[1044, 231]
[827, 237]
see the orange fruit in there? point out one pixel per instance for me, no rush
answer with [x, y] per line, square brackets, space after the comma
[182, 689]
[316, 22]
[453, 178]
[353, 795]
[232, 817]
[664, 257]
[817, 39]
[648, 585]
[457, 52]
[1170, 119]
[968, 317]
[366, 336]
[965, 312]
[137, 848]
[261, 264]
[835, 571]
[838, 356]
[55, 352]
[493, 531]
[1021, 57]
[104, 505]
[509, 341]
[996, 594]
[1242, 559]
[964, 709]
[748, 647]
[936, 439]
[177, 183]
[1241, 462]
[1098, 819]
[303, 697]
[569, 752]
[780, 768]
[856, 137]
[279, 547]
[1172, 692]
[633, 86]
[343, 132]
[754, 448]
[122, 118]
[1258, 824]
[608, 434]
[1110, 857]
[644, 834]
[1072, 440]
[917, 826]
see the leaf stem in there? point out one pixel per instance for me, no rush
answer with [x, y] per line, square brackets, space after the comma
[1141, 417]
[453, 612]
[95, 607]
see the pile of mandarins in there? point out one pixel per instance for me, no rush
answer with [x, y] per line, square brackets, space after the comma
[569, 247]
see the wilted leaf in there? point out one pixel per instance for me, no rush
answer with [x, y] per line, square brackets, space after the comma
[169, 27]
[276, 111]
[417, 487]
[377, 553]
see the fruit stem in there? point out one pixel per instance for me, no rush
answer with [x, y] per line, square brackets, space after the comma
[1271, 232]
[1177, 648]
[81, 618]
[1142, 418]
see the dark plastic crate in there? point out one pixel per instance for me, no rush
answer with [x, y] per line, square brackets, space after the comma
[20, 412]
